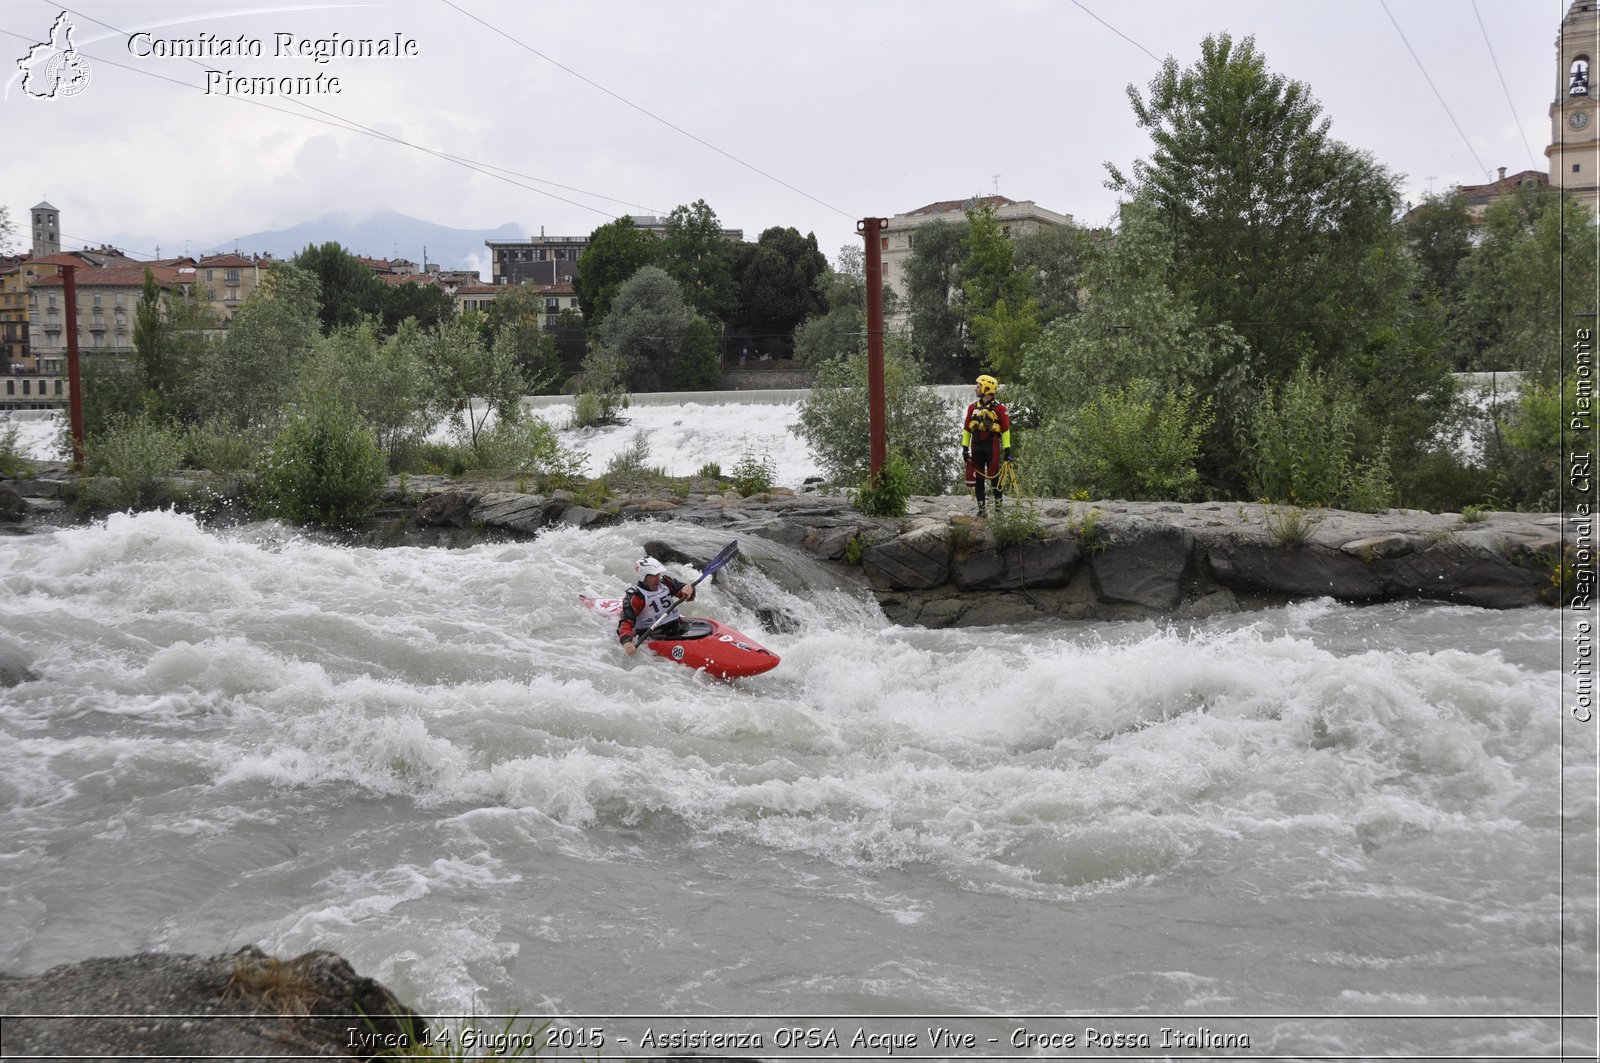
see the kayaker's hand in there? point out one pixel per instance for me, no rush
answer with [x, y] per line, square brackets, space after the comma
[629, 648]
[686, 592]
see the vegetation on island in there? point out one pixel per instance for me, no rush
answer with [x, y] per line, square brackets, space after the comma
[1264, 320]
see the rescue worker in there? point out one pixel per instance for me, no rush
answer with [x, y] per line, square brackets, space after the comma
[985, 440]
[651, 605]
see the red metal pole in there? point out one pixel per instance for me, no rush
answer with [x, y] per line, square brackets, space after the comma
[872, 229]
[74, 377]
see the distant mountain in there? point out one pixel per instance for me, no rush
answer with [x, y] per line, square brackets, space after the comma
[383, 234]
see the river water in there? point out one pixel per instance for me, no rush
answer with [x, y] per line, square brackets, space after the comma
[1323, 829]
[1328, 830]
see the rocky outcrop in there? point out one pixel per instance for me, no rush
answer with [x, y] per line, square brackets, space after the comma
[170, 1006]
[939, 566]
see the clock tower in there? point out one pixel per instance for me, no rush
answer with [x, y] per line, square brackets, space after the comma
[1574, 150]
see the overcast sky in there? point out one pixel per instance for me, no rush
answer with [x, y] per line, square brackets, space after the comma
[810, 114]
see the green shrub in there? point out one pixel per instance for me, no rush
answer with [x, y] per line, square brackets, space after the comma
[887, 497]
[633, 457]
[138, 455]
[1292, 526]
[325, 469]
[526, 444]
[709, 471]
[1303, 448]
[834, 421]
[12, 460]
[752, 474]
[1015, 522]
[221, 446]
[1125, 442]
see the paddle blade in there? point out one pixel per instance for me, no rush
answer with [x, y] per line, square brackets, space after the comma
[726, 554]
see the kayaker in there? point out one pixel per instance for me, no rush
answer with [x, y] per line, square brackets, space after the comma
[654, 598]
[985, 439]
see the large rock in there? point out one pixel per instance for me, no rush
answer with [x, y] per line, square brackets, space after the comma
[1143, 564]
[917, 560]
[170, 1006]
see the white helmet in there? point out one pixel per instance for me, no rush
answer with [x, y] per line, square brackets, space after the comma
[649, 566]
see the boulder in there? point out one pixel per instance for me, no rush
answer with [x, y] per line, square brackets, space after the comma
[917, 560]
[1143, 564]
[172, 1006]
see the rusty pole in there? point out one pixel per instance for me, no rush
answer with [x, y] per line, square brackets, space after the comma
[872, 230]
[74, 376]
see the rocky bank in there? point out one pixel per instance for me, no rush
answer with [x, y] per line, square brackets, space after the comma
[941, 566]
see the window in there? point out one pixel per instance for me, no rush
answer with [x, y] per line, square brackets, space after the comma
[208, 273]
[25, 385]
[58, 387]
[97, 300]
[11, 387]
[231, 277]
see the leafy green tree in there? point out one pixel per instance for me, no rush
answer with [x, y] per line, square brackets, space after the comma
[1132, 326]
[382, 380]
[519, 311]
[841, 329]
[615, 252]
[249, 377]
[1054, 258]
[1274, 223]
[998, 301]
[1438, 236]
[474, 380]
[835, 422]
[777, 285]
[696, 255]
[932, 276]
[1525, 288]
[347, 289]
[652, 328]
[170, 331]
[426, 304]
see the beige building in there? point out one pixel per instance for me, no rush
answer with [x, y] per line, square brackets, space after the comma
[1016, 219]
[107, 303]
[224, 282]
[1574, 150]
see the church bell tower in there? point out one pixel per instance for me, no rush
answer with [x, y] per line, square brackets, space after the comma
[1574, 150]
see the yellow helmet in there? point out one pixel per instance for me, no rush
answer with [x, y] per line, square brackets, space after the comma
[987, 385]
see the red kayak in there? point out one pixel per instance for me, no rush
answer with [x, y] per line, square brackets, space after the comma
[703, 643]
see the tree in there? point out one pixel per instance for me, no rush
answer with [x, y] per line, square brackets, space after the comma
[777, 286]
[1002, 314]
[1274, 222]
[1284, 235]
[474, 380]
[347, 289]
[426, 304]
[696, 255]
[650, 329]
[1054, 258]
[383, 381]
[1525, 287]
[1133, 326]
[247, 379]
[919, 424]
[933, 274]
[841, 329]
[615, 252]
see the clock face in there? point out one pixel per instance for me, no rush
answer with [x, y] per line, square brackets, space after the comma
[1578, 119]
